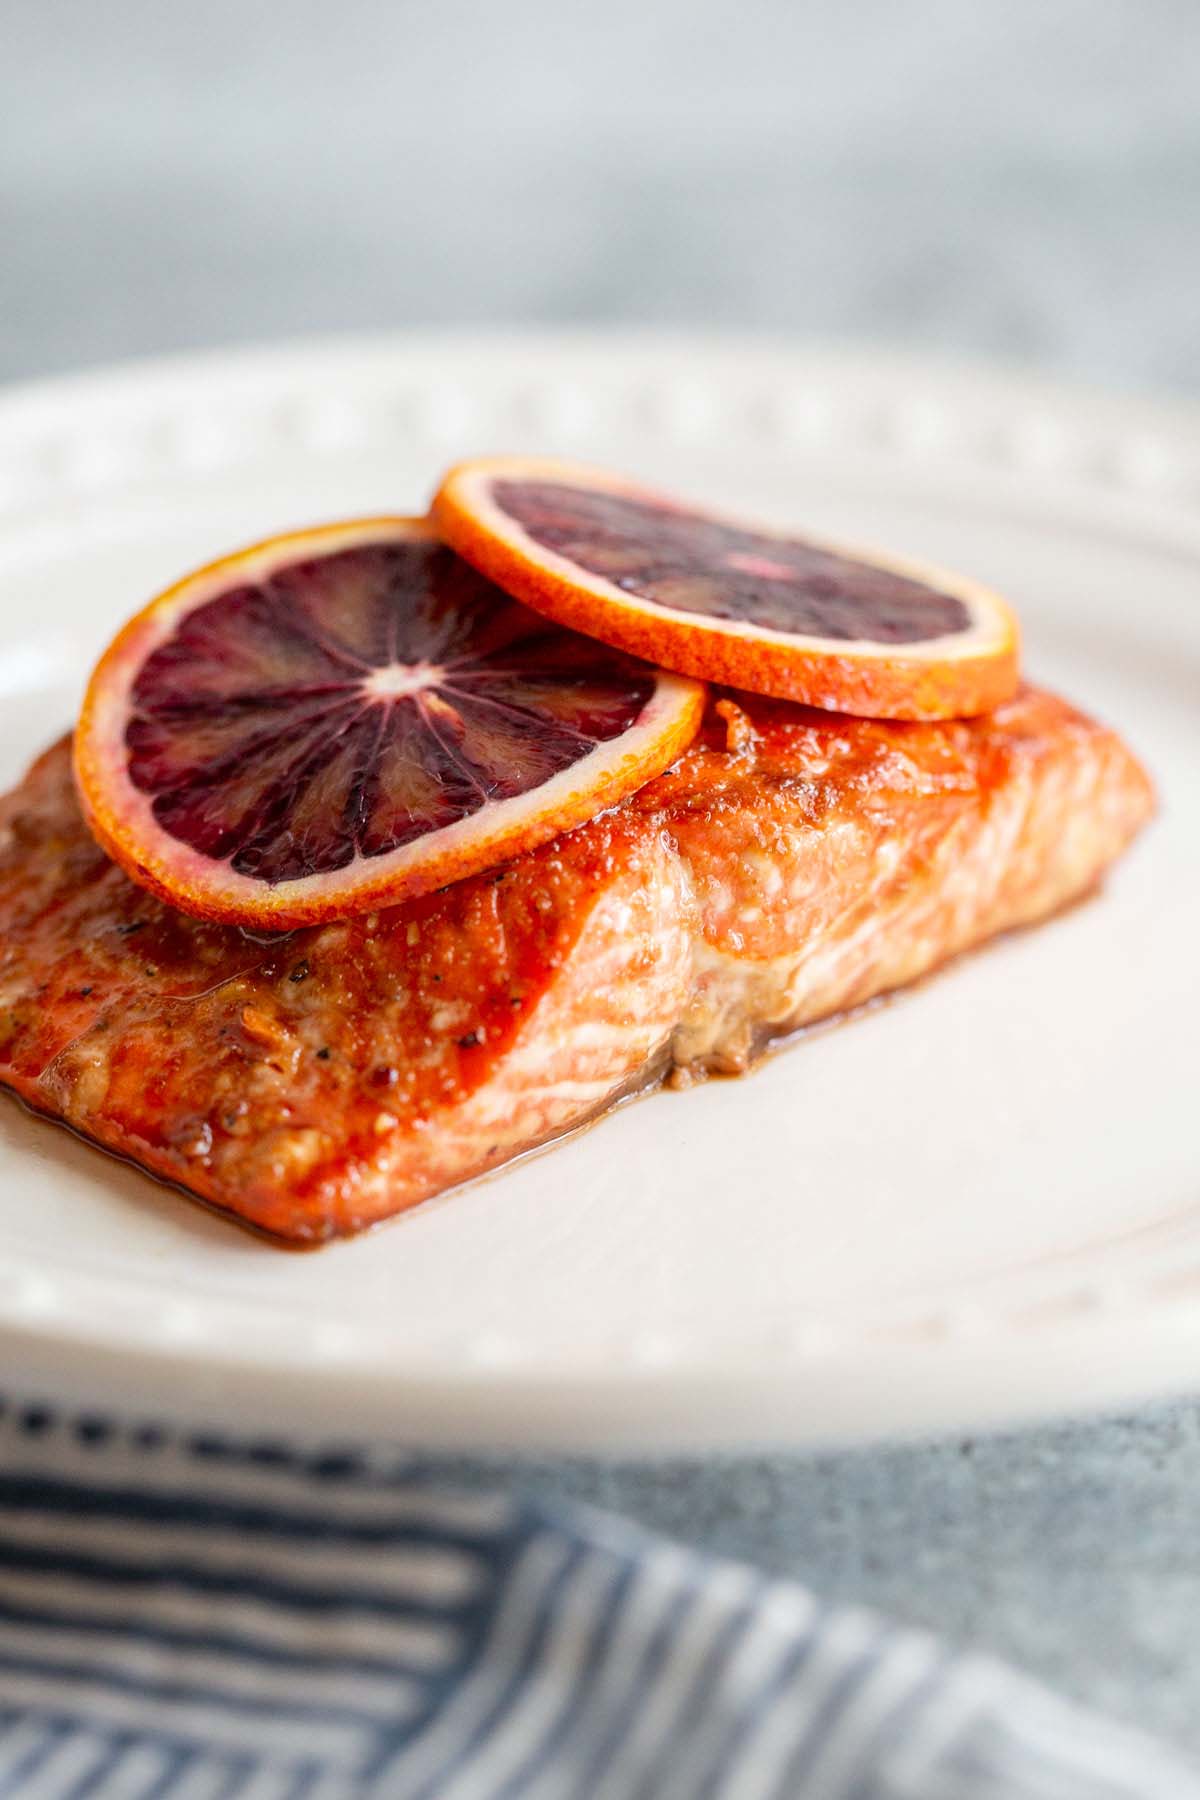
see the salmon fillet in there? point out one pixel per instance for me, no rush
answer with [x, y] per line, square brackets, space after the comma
[791, 865]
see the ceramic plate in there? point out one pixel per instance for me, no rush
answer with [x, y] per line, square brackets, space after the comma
[980, 1202]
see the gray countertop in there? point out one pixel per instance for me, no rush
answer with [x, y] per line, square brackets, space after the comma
[1020, 180]
[1069, 1549]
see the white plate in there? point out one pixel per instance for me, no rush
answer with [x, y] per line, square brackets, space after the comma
[978, 1203]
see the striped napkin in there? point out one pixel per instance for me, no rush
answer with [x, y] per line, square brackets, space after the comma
[191, 1618]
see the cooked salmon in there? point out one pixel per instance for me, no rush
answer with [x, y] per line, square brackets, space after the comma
[792, 865]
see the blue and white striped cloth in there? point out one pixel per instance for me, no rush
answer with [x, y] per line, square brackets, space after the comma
[188, 1618]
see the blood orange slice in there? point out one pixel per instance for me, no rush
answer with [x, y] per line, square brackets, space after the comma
[766, 610]
[343, 717]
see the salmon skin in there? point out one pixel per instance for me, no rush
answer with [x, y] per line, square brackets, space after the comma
[791, 865]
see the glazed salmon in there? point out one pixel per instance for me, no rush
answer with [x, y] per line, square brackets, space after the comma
[791, 865]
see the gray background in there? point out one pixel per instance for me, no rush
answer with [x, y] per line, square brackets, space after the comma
[1017, 179]
[1020, 177]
